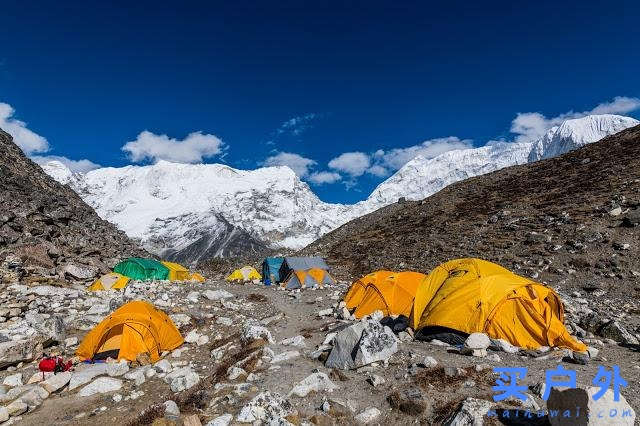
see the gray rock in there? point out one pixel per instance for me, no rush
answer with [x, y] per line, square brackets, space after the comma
[361, 344]
[85, 374]
[101, 385]
[470, 412]
[315, 382]
[222, 420]
[375, 380]
[16, 408]
[252, 331]
[163, 366]
[117, 369]
[57, 381]
[4, 414]
[369, 415]
[614, 330]
[171, 410]
[265, 407]
[13, 380]
[218, 295]
[16, 351]
[503, 346]
[476, 341]
[590, 413]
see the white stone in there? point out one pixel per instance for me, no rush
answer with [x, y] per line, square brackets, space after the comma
[504, 346]
[13, 380]
[265, 407]
[57, 381]
[163, 366]
[470, 412]
[376, 380]
[101, 385]
[70, 341]
[361, 344]
[429, 361]
[192, 337]
[4, 414]
[224, 321]
[138, 375]
[117, 369]
[171, 409]
[297, 341]
[222, 420]
[85, 373]
[235, 372]
[477, 341]
[202, 340]
[252, 331]
[315, 382]
[16, 408]
[368, 416]
[218, 295]
[285, 356]
[325, 312]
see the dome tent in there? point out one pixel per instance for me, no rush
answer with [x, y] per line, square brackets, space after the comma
[134, 328]
[393, 295]
[356, 291]
[177, 272]
[246, 273]
[473, 295]
[271, 270]
[109, 281]
[311, 278]
[138, 268]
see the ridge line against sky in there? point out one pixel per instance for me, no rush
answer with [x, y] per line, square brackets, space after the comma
[347, 167]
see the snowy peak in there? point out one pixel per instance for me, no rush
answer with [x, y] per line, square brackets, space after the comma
[59, 172]
[422, 177]
[575, 133]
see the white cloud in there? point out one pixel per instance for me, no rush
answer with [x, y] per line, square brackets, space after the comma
[29, 141]
[533, 125]
[299, 164]
[321, 178]
[352, 163]
[395, 158]
[298, 125]
[378, 170]
[76, 166]
[192, 149]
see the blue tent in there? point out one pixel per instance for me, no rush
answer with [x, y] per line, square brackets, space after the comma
[271, 270]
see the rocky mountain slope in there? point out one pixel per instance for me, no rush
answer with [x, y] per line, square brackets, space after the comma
[188, 212]
[572, 221]
[46, 230]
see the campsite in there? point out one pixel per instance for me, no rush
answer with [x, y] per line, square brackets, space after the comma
[319, 213]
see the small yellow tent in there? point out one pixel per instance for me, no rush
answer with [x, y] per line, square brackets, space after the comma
[246, 273]
[177, 272]
[473, 295]
[197, 277]
[393, 295]
[112, 280]
[135, 328]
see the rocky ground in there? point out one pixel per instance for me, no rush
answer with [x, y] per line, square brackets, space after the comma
[256, 353]
[46, 228]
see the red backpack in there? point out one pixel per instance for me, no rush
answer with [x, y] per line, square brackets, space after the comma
[53, 364]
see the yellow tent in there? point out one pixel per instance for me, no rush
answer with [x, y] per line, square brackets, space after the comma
[197, 277]
[177, 272]
[473, 295]
[135, 328]
[393, 295]
[112, 280]
[246, 273]
[356, 291]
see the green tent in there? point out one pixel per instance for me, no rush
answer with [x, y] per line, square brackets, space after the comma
[137, 268]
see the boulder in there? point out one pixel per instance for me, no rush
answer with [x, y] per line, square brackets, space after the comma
[504, 346]
[218, 295]
[171, 410]
[80, 272]
[285, 356]
[4, 414]
[16, 408]
[57, 381]
[16, 351]
[470, 412]
[101, 385]
[315, 382]
[604, 411]
[84, 375]
[222, 420]
[361, 344]
[13, 380]
[265, 407]
[297, 341]
[117, 369]
[476, 344]
[614, 330]
[251, 331]
[369, 415]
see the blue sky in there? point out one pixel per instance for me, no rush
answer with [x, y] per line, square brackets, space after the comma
[321, 86]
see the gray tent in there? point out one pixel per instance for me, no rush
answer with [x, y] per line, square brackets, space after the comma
[301, 264]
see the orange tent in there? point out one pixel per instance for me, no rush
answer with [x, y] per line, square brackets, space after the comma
[135, 328]
[356, 291]
[393, 295]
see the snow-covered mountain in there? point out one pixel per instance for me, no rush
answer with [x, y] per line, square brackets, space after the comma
[573, 134]
[188, 212]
